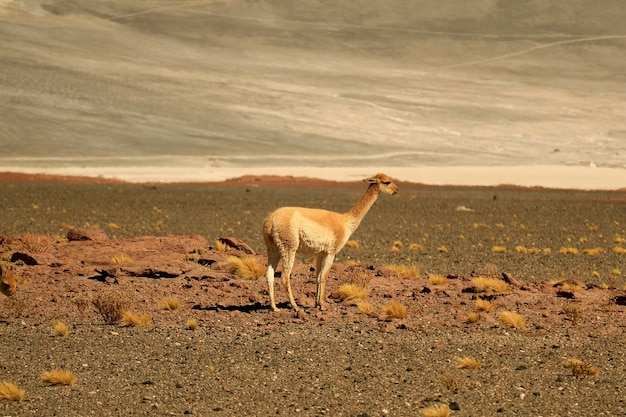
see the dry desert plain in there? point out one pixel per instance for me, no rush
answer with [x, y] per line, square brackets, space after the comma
[153, 242]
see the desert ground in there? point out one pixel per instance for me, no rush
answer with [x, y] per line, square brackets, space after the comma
[556, 252]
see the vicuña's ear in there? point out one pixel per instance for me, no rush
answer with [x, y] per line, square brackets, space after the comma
[372, 180]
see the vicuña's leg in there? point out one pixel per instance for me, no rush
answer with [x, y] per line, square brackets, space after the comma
[324, 262]
[272, 262]
[288, 261]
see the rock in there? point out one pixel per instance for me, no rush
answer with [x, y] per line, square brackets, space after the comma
[25, 258]
[87, 233]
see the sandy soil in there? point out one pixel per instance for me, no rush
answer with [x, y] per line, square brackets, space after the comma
[245, 360]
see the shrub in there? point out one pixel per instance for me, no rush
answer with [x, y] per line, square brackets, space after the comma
[192, 324]
[472, 318]
[581, 369]
[245, 268]
[111, 305]
[130, 319]
[37, 243]
[353, 244]
[59, 377]
[468, 363]
[512, 320]
[484, 305]
[60, 328]
[485, 284]
[436, 410]
[395, 310]
[353, 292]
[169, 303]
[365, 307]
[121, 259]
[10, 392]
[435, 279]
[404, 271]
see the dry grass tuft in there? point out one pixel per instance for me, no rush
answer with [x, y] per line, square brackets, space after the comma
[498, 249]
[111, 304]
[221, 246]
[573, 313]
[468, 363]
[512, 320]
[365, 307]
[472, 318]
[568, 251]
[581, 369]
[245, 268]
[353, 292]
[494, 284]
[121, 259]
[484, 305]
[192, 324]
[416, 246]
[60, 328]
[130, 319]
[436, 279]
[37, 243]
[442, 249]
[450, 382]
[352, 244]
[169, 303]
[59, 377]
[619, 250]
[436, 410]
[10, 392]
[395, 310]
[593, 251]
[404, 271]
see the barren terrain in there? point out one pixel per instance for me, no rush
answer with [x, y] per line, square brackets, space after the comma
[245, 360]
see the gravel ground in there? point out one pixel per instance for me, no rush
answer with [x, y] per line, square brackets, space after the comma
[245, 360]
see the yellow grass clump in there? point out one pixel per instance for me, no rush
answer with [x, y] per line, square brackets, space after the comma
[521, 249]
[221, 246]
[113, 226]
[395, 310]
[593, 251]
[111, 305]
[416, 246]
[37, 243]
[59, 377]
[10, 392]
[404, 271]
[121, 259]
[130, 319]
[442, 249]
[568, 251]
[192, 324]
[498, 249]
[352, 244]
[436, 410]
[619, 250]
[468, 363]
[570, 286]
[60, 328]
[436, 279]
[512, 320]
[484, 305]
[365, 307]
[353, 292]
[169, 303]
[581, 369]
[494, 284]
[472, 317]
[245, 268]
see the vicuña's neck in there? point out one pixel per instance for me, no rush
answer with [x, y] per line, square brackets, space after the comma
[361, 208]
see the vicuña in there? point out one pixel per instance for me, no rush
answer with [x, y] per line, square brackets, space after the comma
[315, 232]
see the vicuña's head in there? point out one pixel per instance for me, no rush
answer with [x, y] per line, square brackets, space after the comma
[8, 284]
[384, 183]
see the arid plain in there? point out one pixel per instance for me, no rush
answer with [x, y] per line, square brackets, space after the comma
[158, 241]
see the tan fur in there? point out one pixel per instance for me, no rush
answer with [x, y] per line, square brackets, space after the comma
[8, 283]
[315, 232]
